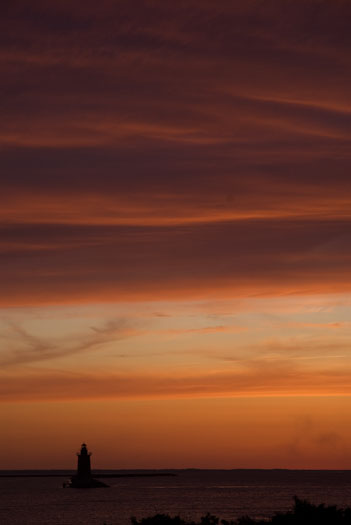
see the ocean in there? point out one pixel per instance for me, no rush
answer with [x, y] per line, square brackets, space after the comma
[190, 493]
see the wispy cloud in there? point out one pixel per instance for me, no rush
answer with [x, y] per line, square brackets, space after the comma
[24, 348]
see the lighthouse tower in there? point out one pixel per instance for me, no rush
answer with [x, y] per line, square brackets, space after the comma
[83, 478]
[84, 469]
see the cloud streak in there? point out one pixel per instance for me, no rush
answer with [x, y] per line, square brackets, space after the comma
[262, 382]
[79, 264]
[26, 348]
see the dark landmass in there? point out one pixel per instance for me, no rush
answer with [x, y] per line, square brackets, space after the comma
[151, 475]
[36, 474]
[302, 513]
[66, 473]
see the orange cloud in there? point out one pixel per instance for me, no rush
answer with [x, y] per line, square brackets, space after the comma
[98, 264]
[260, 380]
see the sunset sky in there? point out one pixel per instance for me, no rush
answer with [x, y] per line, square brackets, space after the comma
[175, 218]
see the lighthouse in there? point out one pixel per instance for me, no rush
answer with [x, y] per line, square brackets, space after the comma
[84, 468]
[83, 479]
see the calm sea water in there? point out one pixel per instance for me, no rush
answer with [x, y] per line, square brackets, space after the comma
[191, 493]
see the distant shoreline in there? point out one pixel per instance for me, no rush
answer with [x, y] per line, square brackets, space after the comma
[96, 475]
[134, 473]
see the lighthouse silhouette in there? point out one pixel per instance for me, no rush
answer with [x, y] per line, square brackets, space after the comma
[83, 479]
[84, 467]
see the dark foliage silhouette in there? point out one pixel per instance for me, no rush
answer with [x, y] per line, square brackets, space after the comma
[302, 513]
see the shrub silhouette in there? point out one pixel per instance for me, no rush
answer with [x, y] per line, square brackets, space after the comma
[302, 513]
[159, 519]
